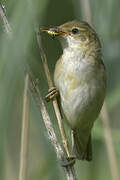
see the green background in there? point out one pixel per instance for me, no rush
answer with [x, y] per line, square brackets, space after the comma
[22, 51]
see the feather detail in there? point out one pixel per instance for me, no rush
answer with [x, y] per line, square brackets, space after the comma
[82, 147]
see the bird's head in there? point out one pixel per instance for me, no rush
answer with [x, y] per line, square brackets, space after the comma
[76, 35]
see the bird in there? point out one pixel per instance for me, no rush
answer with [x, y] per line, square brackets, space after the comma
[80, 78]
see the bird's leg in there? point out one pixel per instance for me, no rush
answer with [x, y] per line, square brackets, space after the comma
[70, 161]
[52, 92]
[72, 139]
[73, 142]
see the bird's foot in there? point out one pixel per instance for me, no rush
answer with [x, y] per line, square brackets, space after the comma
[52, 93]
[70, 161]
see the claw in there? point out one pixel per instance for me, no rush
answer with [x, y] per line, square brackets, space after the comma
[70, 161]
[52, 93]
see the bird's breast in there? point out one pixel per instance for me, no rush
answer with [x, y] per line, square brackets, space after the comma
[82, 91]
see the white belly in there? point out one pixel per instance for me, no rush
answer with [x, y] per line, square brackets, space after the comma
[82, 106]
[82, 92]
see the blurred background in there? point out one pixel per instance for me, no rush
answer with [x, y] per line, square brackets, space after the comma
[23, 50]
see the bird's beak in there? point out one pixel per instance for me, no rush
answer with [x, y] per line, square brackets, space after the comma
[53, 31]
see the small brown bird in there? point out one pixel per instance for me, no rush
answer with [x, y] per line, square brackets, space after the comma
[81, 81]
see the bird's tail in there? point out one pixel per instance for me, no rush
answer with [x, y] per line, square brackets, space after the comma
[82, 147]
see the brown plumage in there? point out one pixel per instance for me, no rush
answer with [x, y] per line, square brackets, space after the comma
[81, 80]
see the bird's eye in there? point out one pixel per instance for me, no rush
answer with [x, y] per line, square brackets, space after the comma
[75, 30]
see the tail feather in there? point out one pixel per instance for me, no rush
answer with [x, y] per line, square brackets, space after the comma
[82, 146]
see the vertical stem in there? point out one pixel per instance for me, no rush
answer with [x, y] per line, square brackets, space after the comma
[109, 143]
[24, 133]
[86, 10]
[5, 21]
[50, 84]
[68, 168]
